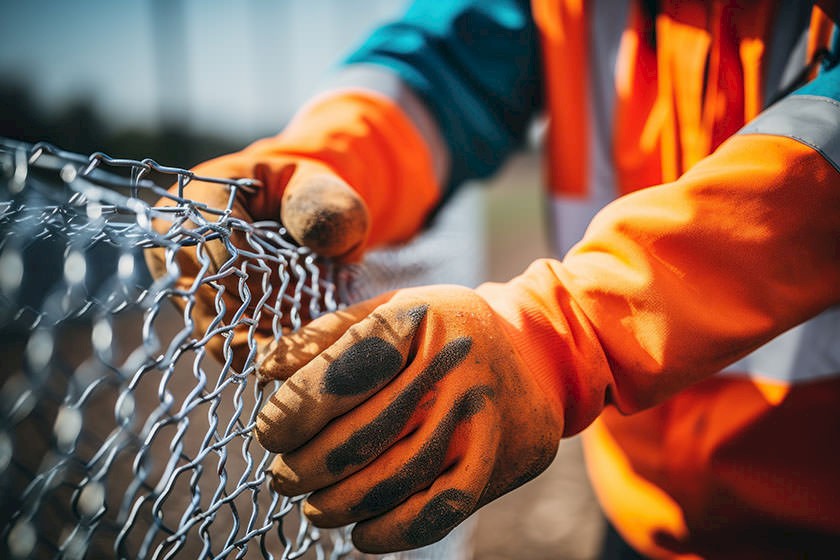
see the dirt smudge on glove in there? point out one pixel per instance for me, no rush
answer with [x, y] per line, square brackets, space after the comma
[422, 469]
[372, 439]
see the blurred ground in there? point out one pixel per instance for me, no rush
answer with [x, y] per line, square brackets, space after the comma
[555, 516]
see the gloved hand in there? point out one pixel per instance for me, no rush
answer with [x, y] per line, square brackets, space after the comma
[305, 176]
[316, 206]
[405, 414]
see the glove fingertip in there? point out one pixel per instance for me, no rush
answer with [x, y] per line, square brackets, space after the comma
[284, 357]
[326, 215]
[269, 436]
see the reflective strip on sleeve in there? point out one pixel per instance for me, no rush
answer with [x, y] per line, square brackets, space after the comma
[571, 216]
[811, 119]
[806, 352]
[607, 26]
[810, 350]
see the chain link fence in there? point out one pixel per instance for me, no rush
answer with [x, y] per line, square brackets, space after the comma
[121, 436]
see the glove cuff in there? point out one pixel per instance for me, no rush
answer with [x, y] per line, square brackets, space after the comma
[554, 340]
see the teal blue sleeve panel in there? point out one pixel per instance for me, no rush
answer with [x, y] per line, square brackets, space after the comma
[476, 64]
[810, 115]
[827, 82]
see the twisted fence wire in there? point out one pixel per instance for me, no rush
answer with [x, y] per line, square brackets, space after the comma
[120, 434]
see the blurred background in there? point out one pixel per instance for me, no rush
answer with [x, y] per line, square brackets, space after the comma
[180, 81]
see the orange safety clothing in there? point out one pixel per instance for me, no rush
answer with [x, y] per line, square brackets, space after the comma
[349, 172]
[404, 414]
[710, 287]
[690, 331]
[735, 465]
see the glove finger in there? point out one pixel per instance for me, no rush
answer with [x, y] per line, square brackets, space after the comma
[344, 447]
[429, 515]
[283, 357]
[360, 436]
[411, 464]
[324, 213]
[362, 361]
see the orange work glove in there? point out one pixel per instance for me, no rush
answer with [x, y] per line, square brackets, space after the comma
[318, 209]
[408, 413]
[349, 172]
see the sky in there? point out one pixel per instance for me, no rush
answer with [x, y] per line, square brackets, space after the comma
[235, 66]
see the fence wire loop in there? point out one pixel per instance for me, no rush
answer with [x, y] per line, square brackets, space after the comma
[121, 434]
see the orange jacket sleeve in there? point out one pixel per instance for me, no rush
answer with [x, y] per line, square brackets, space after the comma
[672, 283]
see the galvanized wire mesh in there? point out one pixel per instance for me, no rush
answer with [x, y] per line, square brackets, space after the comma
[120, 435]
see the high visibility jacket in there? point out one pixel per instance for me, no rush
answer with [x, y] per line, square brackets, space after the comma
[725, 235]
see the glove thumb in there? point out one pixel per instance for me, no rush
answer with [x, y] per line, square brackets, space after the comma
[322, 212]
[284, 356]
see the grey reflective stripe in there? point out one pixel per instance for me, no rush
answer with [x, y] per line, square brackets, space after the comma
[610, 20]
[381, 80]
[787, 47]
[811, 119]
[807, 352]
[570, 216]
